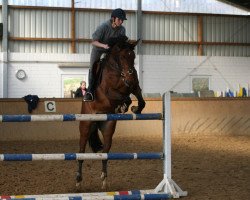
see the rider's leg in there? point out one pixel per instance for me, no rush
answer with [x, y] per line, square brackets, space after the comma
[89, 96]
[95, 55]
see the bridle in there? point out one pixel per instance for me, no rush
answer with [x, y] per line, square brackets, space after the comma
[119, 68]
[124, 73]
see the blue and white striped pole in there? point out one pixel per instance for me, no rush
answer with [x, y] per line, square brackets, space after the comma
[80, 156]
[79, 117]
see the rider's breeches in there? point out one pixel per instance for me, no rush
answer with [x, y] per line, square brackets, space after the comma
[94, 56]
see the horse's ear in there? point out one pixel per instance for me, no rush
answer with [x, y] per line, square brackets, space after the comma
[136, 42]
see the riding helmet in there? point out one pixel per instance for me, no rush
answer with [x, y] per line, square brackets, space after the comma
[119, 13]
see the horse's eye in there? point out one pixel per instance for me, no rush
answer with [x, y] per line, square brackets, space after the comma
[130, 54]
[130, 71]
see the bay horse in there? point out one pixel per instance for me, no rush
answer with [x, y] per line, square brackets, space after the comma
[117, 79]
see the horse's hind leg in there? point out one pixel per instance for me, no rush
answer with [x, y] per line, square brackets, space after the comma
[107, 129]
[84, 135]
[104, 174]
[79, 173]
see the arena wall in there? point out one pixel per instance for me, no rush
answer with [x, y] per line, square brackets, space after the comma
[189, 115]
[157, 73]
[229, 116]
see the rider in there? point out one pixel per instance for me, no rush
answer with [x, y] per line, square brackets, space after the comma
[110, 29]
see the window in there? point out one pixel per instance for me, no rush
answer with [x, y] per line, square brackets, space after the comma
[70, 83]
[200, 83]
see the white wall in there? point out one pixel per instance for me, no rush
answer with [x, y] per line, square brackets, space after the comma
[44, 74]
[164, 73]
[159, 73]
[1, 80]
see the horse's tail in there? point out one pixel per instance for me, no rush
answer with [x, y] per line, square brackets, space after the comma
[94, 140]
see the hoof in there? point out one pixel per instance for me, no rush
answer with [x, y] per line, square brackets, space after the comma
[78, 184]
[124, 108]
[103, 176]
[78, 179]
[134, 109]
[104, 181]
[104, 185]
[121, 109]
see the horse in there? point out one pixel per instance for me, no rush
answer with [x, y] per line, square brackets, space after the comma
[117, 79]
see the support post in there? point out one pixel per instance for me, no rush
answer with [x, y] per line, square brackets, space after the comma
[139, 36]
[4, 64]
[167, 185]
[73, 36]
[200, 35]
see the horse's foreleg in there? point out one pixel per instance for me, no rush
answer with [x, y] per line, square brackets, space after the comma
[141, 102]
[108, 129]
[123, 108]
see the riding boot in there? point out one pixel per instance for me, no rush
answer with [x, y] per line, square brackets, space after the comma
[89, 96]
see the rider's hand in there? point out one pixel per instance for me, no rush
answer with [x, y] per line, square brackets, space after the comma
[105, 46]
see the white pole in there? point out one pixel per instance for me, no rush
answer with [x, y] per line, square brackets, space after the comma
[167, 134]
[167, 185]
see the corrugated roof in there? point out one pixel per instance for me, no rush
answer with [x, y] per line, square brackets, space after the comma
[243, 3]
[187, 6]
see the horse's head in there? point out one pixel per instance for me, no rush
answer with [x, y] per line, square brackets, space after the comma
[124, 56]
[119, 77]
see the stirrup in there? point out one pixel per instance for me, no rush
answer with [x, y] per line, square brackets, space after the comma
[88, 97]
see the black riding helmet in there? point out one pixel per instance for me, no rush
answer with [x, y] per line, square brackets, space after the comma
[119, 13]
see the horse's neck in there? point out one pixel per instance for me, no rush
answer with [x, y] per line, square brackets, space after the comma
[110, 72]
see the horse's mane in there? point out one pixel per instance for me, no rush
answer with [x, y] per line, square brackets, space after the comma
[121, 41]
